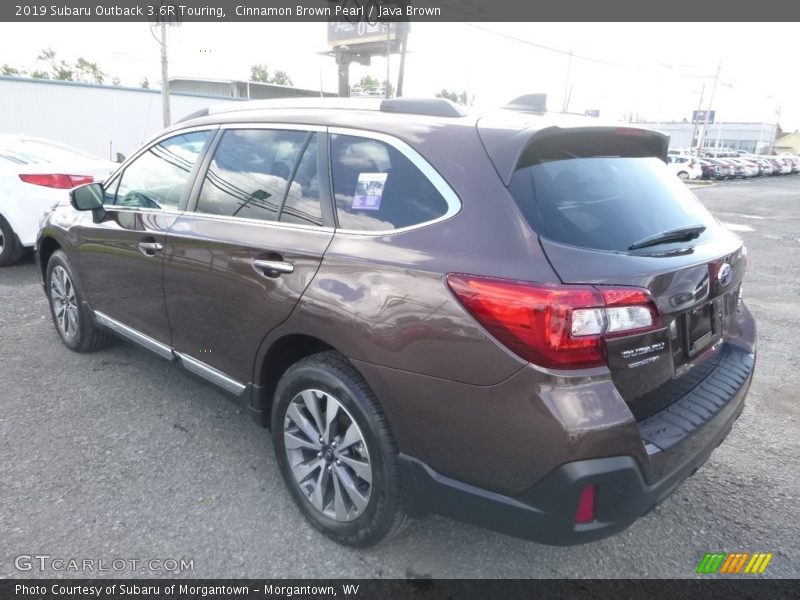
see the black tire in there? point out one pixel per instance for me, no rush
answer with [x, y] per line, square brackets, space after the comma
[10, 251]
[384, 514]
[78, 334]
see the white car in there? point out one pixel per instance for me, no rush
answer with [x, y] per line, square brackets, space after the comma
[685, 166]
[35, 175]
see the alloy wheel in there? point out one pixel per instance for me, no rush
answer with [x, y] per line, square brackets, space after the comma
[65, 304]
[328, 455]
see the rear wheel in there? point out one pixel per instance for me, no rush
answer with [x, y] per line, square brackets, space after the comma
[683, 176]
[70, 316]
[335, 451]
[10, 251]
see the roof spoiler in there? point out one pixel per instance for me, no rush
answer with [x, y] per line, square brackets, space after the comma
[435, 107]
[535, 103]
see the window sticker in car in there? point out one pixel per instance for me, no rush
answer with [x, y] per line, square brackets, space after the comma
[369, 191]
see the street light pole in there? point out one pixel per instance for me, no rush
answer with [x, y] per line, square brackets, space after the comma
[702, 135]
[164, 77]
[695, 122]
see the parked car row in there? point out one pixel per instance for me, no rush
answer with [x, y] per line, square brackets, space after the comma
[748, 166]
[719, 165]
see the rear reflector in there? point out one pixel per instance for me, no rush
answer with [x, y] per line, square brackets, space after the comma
[56, 180]
[553, 325]
[585, 512]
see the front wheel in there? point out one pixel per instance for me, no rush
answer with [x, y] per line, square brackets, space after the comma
[70, 316]
[335, 451]
[683, 176]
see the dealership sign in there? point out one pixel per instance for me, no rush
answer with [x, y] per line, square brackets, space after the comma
[703, 116]
[345, 33]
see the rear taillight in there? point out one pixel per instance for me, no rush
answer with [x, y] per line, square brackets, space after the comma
[57, 180]
[552, 325]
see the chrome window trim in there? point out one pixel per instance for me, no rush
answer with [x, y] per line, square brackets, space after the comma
[211, 374]
[155, 140]
[133, 335]
[450, 197]
[274, 125]
[278, 224]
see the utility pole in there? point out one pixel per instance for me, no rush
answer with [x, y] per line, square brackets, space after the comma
[164, 76]
[388, 54]
[402, 69]
[705, 116]
[566, 84]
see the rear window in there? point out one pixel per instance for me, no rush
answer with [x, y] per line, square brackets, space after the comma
[604, 202]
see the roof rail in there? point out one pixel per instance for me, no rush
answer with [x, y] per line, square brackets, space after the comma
[435, 107]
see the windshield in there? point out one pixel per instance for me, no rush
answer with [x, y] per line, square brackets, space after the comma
[606, 203]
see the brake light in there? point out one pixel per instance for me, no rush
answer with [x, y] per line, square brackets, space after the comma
[633, 131]
[57, 180]
[585, 512]
[552, 325]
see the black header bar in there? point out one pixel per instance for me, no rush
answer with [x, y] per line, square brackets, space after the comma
[376, 11]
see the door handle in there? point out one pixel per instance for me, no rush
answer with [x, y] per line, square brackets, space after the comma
[150, 248]
[272, 268]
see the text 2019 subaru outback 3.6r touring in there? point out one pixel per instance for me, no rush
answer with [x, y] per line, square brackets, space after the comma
[522, 320]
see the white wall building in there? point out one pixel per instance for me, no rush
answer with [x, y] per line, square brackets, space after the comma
[757, 138]
[100, 119]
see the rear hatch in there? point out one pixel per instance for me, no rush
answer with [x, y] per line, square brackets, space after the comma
[609, 212]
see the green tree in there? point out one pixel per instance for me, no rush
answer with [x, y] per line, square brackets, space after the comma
[49, 66]
[59, 69]
[10, 71]
[281, 78]
[88, 71]
[145, 83]
[463, 98]
[260, 74]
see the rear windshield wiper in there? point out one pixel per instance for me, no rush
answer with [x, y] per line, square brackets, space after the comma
[681, 234]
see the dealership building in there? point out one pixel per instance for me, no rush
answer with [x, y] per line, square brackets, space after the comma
[758, 138]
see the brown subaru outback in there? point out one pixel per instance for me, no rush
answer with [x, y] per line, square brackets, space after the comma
[522, 320]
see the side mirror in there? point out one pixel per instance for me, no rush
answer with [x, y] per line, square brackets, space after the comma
[89, 197]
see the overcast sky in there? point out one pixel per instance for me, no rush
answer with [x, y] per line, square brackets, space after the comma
[654, 70]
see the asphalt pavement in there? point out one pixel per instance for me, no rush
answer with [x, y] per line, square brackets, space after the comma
[118, 455]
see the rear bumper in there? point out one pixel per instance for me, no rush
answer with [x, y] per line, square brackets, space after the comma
[545, 512]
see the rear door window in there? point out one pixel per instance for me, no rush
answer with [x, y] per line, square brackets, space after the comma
[377, 188]
[604, 202]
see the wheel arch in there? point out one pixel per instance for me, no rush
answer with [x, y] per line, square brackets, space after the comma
[274, 358]
[47, 246]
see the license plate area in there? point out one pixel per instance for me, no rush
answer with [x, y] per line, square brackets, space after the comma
[701, 328]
